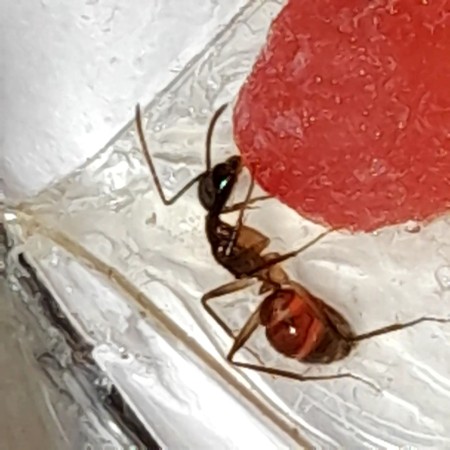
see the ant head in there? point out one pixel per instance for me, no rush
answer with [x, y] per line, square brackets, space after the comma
[215, 185]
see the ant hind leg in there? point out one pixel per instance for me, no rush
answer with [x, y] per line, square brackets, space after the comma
[398, 326]
[299, 377]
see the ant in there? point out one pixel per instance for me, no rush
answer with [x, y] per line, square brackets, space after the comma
[298, 325]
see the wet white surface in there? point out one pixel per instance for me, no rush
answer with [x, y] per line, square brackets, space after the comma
[397, 274]
[72, 73]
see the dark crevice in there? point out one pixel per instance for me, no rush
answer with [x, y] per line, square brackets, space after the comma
[110, 397]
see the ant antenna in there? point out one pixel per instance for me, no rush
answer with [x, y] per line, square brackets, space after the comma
[209, 134]
[151, 165]
[148, 159]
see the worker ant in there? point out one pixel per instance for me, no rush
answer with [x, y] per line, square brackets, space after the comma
[298, 325]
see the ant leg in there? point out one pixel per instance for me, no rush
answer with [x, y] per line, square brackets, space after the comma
[397, 327]
[228, 288]
[248, 329]
[244, 335]
[300, 377]
[240, 205]
[240, 219]
[289, 255]
[244, 205]
[222, 290]
[149, 160]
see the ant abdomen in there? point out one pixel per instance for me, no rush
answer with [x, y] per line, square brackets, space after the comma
[296, 330]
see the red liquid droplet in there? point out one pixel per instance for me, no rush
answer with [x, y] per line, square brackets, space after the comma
[346, 114]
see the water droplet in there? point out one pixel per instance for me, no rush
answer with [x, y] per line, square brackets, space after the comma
[412, 226]
[184, 225]
[363, 127]
[370, 87]
[318, 79]
[123, 353]
[69, 289]
[377, 134]
[377, 167]
[392, 9]
[362, 72]
[442, 275]
[54, 260]
[338, 99]
[212, 84]
[365, 113]
[345, 28]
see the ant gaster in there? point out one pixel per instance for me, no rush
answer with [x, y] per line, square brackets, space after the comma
[298, 325]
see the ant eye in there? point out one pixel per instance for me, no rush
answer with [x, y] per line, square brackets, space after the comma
[221, 176]
[223, 183]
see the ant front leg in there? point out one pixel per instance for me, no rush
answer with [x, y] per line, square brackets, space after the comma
[240, 205]
[239, 223]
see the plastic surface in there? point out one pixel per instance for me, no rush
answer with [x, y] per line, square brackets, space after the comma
[71, 74]
[48, 392]
[110, 207]
[175, 399]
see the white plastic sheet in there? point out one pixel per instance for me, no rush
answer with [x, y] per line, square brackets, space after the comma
[397, 274]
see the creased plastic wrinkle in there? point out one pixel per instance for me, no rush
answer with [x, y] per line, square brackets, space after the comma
[111, 208]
